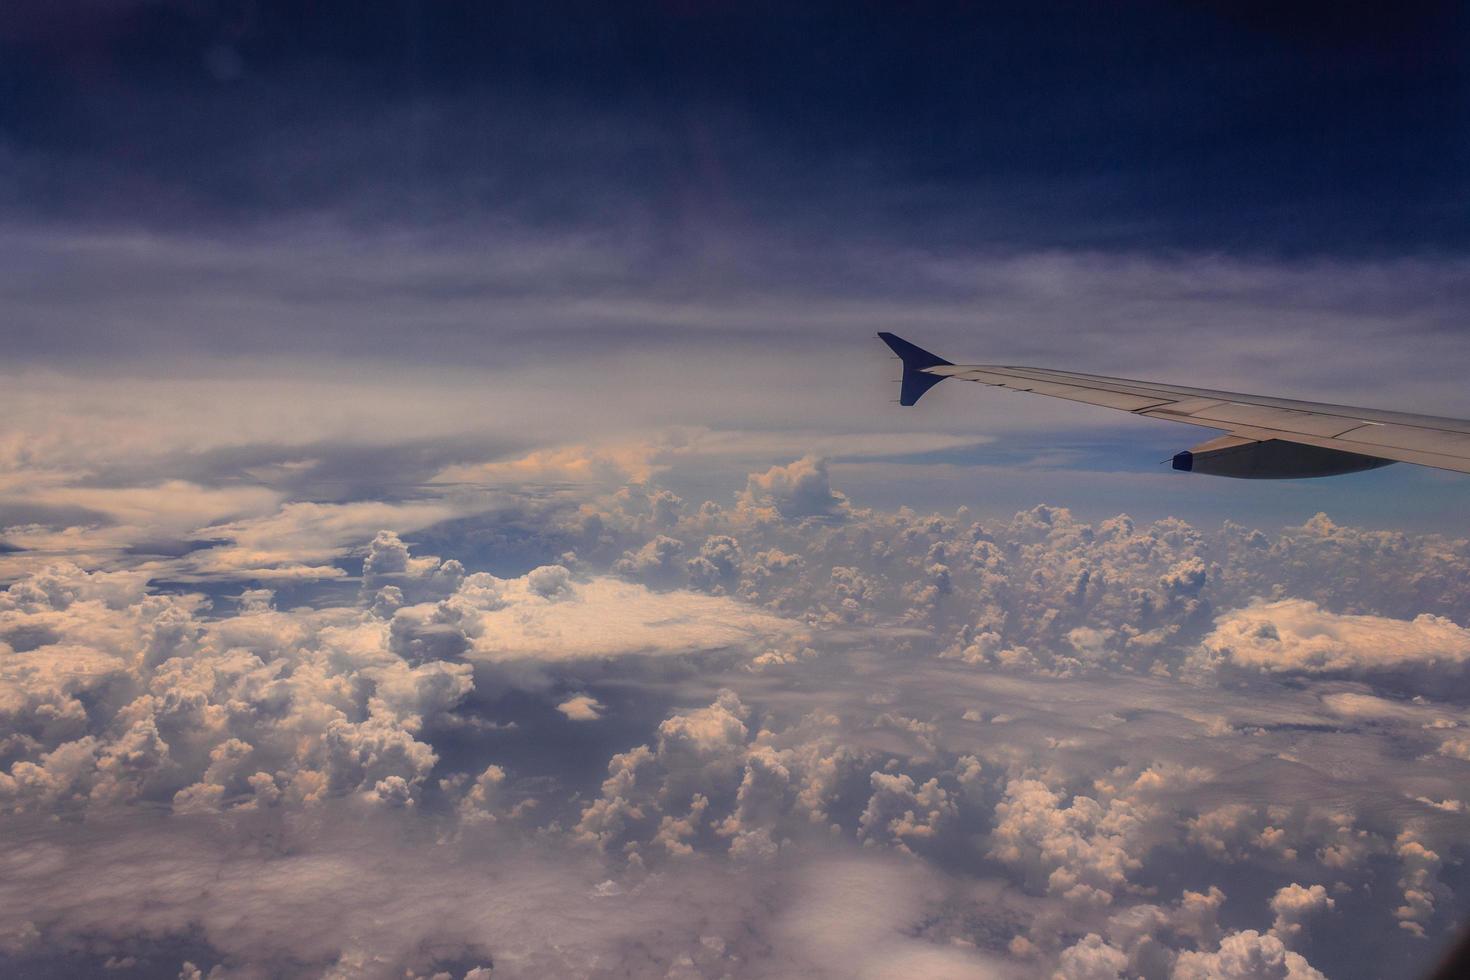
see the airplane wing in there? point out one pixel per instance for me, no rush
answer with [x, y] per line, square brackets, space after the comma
[1267, 438]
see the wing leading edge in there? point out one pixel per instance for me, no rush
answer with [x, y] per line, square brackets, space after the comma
[1268, 437]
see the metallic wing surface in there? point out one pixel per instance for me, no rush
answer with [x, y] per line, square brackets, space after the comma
[1266, 438]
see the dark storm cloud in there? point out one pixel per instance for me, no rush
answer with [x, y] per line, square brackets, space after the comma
[1196, 125]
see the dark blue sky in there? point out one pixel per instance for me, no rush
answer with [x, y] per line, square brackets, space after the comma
[1239, 127]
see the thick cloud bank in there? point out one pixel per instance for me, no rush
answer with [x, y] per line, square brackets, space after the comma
[781, 735]
[1298, 636]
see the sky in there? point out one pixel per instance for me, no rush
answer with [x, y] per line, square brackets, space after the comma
[455, 521]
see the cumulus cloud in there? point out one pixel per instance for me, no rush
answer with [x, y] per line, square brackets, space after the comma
[1091, 958]
[1295, 904]
[1420, 881]
[799, 490]
[388, 565]
[899, 811]
[1082, 850]
[1297, 635]
[580, 707]
[1246, 955]
[167, 705]
[1028, 747]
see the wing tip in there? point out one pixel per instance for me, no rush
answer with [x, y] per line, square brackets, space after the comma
[915, 360]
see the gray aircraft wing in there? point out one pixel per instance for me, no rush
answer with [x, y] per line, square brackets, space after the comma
[1266, 438]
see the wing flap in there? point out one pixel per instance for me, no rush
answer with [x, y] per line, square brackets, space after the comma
[1230, 414]
[1426, 440]
[1185, 406]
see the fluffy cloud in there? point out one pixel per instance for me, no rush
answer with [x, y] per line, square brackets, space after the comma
[1295, 904]
[1420, 881]
[605, 617]
[1246, 955]
[801, 489]
[1296, 635]
[1082, 851]
[899, 811]
[1024, 747]
[1091, 958]
[157, 703]
[580, 707]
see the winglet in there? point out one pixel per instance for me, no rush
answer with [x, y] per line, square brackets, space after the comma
[915, 360]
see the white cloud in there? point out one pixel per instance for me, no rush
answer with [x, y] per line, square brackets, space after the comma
[132, 696]
[118, 517]
[1297, 635]
[1083, 851]
[358, 890]
[581, 707]
[858, 917]
[1294, 905]
[1009, 695]
[1246, 955]
[1370, 707]
[305, 532]
[1091, 958]
[800, 489]
[606, 464]
[606, 617]
[901, 812]
[1419, 881]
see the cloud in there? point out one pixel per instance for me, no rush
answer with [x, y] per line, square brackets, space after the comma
[398, 902]
[1091, 958]
[800, 489]
[580, 707]
[899, 811]
[605, 617]
[307, 533]
[1293, 905]
[170, 508]
[1297, 635]
[129, 696]
[820, 729]
[1369, 707]
[1420, 881]
[859, 918]
[1083, 851]
[601, 465]
[1016, 715]
[1245, 955]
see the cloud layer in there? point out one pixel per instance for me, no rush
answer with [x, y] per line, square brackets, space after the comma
[786, 734]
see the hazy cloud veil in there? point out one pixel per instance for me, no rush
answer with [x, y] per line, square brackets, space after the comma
[453, 521]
